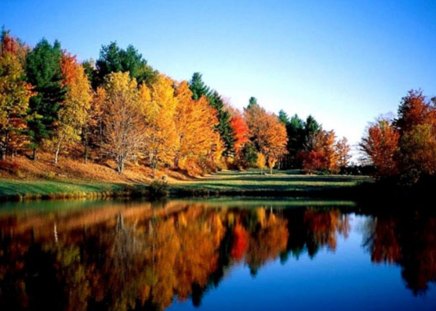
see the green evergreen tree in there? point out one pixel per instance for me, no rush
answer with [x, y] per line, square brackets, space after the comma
[114, 59]
[224, 128]
[249, 155]
[198, 87]
[296, 134]
[91, 72]
[283, 117]
[43, 71]
[252, 102]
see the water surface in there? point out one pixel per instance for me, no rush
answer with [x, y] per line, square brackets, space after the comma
[214, 255]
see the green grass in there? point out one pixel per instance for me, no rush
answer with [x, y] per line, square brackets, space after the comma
[252, 182]
[18, 190]
[230, 183]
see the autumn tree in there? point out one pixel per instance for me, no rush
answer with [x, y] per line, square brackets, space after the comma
[43, 70]
[322, 155]
[414, 110]
[123, 125]
[405, 148]
[418, 151]
[416, 124]
[14, 96]
[380, 146]
[267, 133]
[240, 132]
[224, 128]
[195, 126]
[92, 132]
[343, 152]
[73, 111]
[261, 161]
[158, 106]
[275, 135]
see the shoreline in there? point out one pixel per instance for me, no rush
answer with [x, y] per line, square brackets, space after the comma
[40, 189]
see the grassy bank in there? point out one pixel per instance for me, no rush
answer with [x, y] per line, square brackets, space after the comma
[227, 183]
[282, 183]
[17, 190]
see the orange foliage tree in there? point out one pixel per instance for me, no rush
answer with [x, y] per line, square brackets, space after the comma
[267, 133]
[195, 122]
[380, 146]
[240, 132]
[417, 124]
[74, 109]
[14, 96]
[323, 155]
[406, 147]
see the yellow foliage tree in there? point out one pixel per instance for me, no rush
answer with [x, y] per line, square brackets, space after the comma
[14, 99]
[74, 110]
[158, 106]
[195, 124]
[261, 161]
[123, 126]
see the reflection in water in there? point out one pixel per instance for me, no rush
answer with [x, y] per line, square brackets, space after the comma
[122, 257]
[407, 241]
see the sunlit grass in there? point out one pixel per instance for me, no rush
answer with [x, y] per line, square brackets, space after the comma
[23, 189]
[253, 180]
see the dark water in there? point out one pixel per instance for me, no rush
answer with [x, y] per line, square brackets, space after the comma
[182, 255]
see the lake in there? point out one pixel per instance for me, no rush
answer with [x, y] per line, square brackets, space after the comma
[217, 254]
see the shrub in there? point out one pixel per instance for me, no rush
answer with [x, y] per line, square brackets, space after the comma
[158, 188]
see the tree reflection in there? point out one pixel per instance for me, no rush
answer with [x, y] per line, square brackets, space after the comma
[144, 257]
[267, 241]
[409, 241]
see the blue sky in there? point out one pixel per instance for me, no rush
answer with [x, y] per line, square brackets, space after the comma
[345, 62]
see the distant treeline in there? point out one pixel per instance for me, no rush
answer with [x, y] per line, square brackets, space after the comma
[120, 108]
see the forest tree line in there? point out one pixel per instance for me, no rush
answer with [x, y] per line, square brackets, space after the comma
[122, 109]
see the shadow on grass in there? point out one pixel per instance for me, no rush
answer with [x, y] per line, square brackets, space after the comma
[289, 178]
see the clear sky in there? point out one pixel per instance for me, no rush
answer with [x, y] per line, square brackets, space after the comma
[345, 62]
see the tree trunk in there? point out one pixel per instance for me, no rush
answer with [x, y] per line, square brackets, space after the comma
[176, 163]
[34, 154]
[120, 165]
[85, 153]
[2, 152]
[271, 170]
[56, 155]
[58, 148]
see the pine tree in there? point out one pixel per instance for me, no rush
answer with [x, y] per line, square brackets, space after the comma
[114, 59]
[224, 128]
[44, 73]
